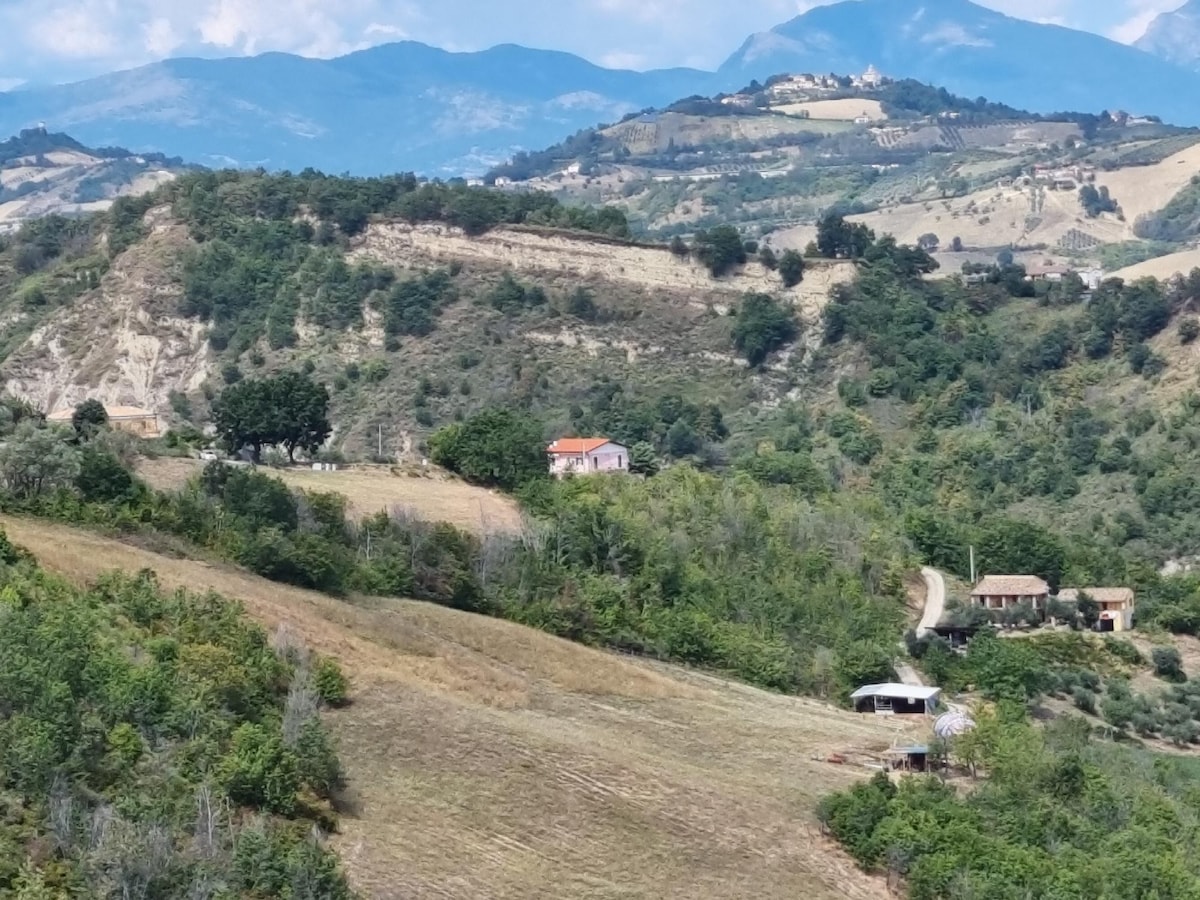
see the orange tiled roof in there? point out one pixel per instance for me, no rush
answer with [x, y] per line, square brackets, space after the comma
[572, 446]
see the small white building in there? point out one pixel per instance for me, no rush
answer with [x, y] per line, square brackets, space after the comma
[587, 456]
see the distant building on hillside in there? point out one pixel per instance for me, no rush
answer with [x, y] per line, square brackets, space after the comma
[1116, 605]
[871, 78]
[999, 592]
[587, 456]
[1047, 272]
[896, 699]
[132, 419]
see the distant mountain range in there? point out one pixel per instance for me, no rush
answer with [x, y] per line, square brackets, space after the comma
[397, 107]
[407, 106]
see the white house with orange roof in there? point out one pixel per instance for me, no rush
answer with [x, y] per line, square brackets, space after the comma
[587, 456]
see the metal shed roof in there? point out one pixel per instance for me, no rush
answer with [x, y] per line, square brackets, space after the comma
[897, 692]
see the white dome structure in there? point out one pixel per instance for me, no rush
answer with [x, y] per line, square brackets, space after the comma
[952, 724]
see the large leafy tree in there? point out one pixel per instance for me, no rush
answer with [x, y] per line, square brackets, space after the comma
[36, 460]
[839, 239]
[497, 447]
[721, 249]
[89, 417]
[288, 410]
[791, 268]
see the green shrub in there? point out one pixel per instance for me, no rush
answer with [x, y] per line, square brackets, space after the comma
[1168, 664]
[329, 682]
[762, 327]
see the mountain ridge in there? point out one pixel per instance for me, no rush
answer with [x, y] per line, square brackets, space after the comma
[411, 106]
[1175, 36]
[407, 106]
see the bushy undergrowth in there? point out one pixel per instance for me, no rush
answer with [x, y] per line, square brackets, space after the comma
[155, 746]
[1061, 816]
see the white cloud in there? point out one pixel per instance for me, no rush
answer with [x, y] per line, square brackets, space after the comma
[75, 32]
[160, 38]
[1143, 13]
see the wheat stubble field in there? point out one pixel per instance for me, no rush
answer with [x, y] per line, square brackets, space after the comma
[486, 760]
[433, 495]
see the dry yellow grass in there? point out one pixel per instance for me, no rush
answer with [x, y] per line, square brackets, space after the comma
[1162, 267]
[836, 110]
[370, 489]
[488, 760]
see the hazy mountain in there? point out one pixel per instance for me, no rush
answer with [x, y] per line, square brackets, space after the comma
[1175, 36]
[975, 51]
[396, 107]
[408, 106]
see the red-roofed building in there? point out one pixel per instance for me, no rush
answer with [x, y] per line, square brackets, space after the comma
[586, 456]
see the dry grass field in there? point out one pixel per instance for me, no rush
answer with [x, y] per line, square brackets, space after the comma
[488, 760]
[369, 489]
[1162, 267]
[836, 110]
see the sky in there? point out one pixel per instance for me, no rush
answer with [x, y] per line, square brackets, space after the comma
[65, 40]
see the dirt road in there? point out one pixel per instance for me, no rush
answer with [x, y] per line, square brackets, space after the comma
[935, 600]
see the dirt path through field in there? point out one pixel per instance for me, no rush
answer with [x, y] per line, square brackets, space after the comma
[489, 760]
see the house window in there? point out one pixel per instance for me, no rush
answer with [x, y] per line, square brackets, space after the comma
[620, 462]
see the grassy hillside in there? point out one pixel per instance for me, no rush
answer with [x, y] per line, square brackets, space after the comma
[889, 420]
[560, 770]
[911, 159]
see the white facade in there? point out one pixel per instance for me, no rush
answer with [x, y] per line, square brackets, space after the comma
[575, 456]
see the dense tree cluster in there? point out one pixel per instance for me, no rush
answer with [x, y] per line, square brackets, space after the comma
[155, 745]
[271, 247]
[1096, 201]
[288, 410]
[1061, 816]
[670, 425]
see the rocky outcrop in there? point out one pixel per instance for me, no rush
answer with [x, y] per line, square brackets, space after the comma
[123, 343]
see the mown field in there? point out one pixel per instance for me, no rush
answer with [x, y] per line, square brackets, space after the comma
[486, 759]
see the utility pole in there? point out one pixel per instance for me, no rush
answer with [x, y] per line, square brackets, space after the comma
[379, 451]
[973, 581]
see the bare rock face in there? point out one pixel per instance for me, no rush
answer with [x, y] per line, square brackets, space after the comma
[123, 343]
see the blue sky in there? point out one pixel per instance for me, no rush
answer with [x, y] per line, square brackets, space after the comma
[60, 40]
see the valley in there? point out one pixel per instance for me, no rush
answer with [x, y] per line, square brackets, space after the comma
[566, 503]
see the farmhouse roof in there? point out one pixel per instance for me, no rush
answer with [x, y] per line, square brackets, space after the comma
[574, 446]
[1011, 586]
[1100, 595]
[1047, 269]
[897, 692]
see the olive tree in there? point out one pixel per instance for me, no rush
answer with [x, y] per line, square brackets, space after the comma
[36, 460]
